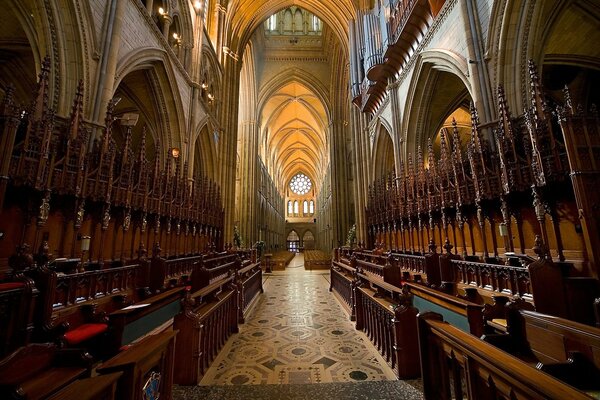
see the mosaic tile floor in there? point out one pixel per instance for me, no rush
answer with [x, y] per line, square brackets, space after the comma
[297, 333]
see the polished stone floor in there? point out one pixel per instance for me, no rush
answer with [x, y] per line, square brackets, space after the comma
[297, 334]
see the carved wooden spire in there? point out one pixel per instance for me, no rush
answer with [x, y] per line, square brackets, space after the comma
[39, 106]
[77, 112]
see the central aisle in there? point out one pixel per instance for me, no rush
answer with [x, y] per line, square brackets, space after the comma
[297, 333]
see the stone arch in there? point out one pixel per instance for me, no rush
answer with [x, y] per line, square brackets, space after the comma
[26, 40]
[204, 152]
[169, 127]
[438, 88]
[383, 159]
[334, 14]
[210, 78]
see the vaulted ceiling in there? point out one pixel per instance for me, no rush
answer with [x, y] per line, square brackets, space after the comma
[295, 122]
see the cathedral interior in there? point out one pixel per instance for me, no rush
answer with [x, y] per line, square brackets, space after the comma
[378, 199]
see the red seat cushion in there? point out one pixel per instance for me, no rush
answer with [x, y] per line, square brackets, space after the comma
[11, 285]
[84, 332]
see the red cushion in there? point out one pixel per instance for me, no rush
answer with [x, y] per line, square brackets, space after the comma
[11, 285]
[84, 332]
[188, 288]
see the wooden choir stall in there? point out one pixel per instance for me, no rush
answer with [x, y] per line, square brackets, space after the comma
[91, 314]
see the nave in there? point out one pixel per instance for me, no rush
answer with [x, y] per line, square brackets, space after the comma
[298, 335]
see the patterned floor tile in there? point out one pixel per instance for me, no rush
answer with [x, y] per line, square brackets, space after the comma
[297, 334]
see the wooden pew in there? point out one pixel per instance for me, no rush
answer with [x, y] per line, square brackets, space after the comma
[146, 365]
[452, 360]
[565, 349]
[464, 314]
[316, 259]
[137, 320]
[210, 316]
[38, 370]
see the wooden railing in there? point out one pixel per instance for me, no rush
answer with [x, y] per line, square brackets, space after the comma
[456, 365]
[205, 325]
[169, 273]
[342, 285]
[392, 329]
[409, 262]
[498, 278]
[251, 287]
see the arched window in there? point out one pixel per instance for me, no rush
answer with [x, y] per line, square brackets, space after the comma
[290, 208]
[312, 207]
[272, 25]
[305, 207]
[316, 23]
[296, 207]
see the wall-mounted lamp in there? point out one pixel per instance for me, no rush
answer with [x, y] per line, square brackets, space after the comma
[175, 152]
[204, 85]
[211, 97]
[197, 5]
[177, 39]
[162, 11]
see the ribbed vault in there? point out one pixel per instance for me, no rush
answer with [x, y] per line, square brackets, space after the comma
[294, 123]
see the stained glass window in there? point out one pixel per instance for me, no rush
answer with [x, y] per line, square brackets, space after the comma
[300, 184]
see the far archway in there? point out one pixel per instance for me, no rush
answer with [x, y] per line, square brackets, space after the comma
[293, 242]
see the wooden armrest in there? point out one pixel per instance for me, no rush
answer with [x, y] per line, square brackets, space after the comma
[578, 371]
[99, 387]
[50, 381]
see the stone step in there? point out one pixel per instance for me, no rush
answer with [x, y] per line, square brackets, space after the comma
[371, 390]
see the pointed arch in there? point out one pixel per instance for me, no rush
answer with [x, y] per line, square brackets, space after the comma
[425, 109]
[165, 92]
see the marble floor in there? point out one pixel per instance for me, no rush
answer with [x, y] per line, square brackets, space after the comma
[298, 334]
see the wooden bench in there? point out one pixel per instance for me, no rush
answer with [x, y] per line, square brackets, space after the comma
[38, 370]
[316, 259]
[137, 320]
[565, 349]
[457, 365]
[146, 366]
[462, 313]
